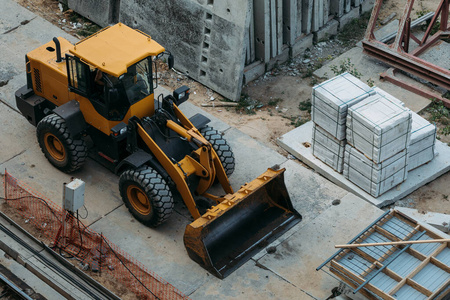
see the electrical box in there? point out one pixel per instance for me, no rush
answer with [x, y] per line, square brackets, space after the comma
[74, 195]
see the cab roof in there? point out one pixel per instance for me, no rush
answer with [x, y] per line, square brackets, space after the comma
[115, 48]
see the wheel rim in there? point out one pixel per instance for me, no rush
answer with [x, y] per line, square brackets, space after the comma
[54, 147]
[139, 199]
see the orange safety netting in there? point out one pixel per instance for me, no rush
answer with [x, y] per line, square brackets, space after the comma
[63, 231]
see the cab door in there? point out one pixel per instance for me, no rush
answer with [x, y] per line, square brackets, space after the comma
[78, 74]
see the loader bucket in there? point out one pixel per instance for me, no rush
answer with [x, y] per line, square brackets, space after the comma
[245, 222]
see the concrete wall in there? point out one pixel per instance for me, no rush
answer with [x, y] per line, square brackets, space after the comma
[223, 43]
[102, 12]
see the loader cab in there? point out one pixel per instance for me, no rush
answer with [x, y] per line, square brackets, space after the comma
[110, 96]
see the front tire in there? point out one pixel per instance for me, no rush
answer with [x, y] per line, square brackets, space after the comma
[221, 147]
[60, 148]
[146, 195]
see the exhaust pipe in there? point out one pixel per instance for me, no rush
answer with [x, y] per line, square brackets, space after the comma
[58, 50]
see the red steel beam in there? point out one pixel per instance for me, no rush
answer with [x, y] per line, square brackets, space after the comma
[389, 75]
[396, 55]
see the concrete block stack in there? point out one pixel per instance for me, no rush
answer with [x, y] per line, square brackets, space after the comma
[327, 148]
[368, 134]
[378, 134]
[375, 179]
[423, 139]
[379, 127]
[388, 96]
[330, 103]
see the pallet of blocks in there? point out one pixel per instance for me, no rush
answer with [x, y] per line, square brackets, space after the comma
[385, 94]
[327, 148]
[378, 127]
[373, 178]
[331, 99]
[423, 140]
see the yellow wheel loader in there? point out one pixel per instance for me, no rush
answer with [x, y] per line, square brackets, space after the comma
[96, 98]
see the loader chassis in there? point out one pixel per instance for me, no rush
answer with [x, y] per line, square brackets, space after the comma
[97, 97]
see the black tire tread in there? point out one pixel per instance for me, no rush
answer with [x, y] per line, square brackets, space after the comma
[221, 147]
[157, 190]
[76, 149]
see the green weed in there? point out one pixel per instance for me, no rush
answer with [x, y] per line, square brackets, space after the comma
[305, 106]
[346, 66]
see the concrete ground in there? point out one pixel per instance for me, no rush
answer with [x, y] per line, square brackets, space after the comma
[288, 273]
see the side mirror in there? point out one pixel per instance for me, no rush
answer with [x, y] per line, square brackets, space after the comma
[181, 94]
[171, 61]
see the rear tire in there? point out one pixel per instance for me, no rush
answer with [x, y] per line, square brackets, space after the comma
[146, 195]
[221, 147]
[60, 148]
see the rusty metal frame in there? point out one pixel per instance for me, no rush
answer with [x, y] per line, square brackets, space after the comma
[397, 54]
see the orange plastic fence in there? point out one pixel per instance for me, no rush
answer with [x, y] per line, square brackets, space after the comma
[66, 233]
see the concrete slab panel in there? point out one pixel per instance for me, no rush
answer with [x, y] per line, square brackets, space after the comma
[279, 27]
[289, 21]
[371, 68]
[330, 29]
[279, 59]
[101, 12]
[367, 5]
[253, 71]
[348, 16]
[301, 44]
[307, 11]
[297, 142]
[337, 7]
[299, 12]
[222, 47]
[273, 28]
[298, 256]
[326, 11]
[261, 14]
[348, 5]
[316, 15]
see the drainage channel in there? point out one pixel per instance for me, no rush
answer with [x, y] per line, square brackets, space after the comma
[71, 275]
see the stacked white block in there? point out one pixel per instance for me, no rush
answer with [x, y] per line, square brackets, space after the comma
[423, 139]
[331, 99]
[378, 127]
[327, 148]
[388, 96]
[375, 179]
